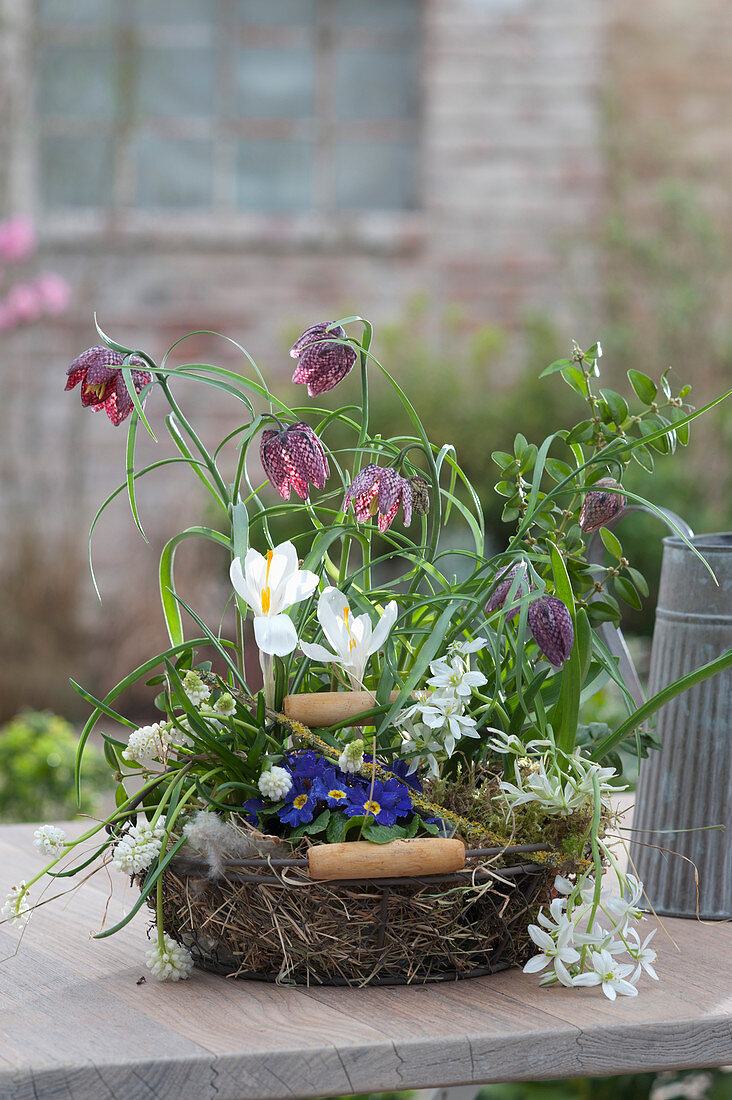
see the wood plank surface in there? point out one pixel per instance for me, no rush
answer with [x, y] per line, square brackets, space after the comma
[75, 1025]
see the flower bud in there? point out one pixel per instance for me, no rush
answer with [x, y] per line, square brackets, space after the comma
[602, 504]
[420, 495]
[500, 593]
[551, 625]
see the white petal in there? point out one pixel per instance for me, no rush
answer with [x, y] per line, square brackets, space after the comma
[562, 973]
[280, 565]
[255, 569]
[331, 616]
[609, 991]
[275, 634]
[317, 652]
[541, 938]
[381, 631]
[533, 966]
[298, 586]
[588, 978]
[241, 587]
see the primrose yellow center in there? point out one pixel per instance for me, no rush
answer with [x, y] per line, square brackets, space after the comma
[336, 794]
[266, 593]
[300, 801]
[372, 807]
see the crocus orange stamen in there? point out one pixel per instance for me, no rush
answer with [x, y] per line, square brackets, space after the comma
[266, 593]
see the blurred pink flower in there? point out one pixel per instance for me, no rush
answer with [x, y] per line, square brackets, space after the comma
[54, 292]
[17, 239]
[23, 304]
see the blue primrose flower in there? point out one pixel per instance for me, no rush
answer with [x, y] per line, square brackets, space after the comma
[338, 787]
[307, 764]
[385, 803]
[251, 810]
[302, 801]
[400, 768]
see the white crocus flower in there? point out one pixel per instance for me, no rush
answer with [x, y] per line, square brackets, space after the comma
[269, 584]
[353, 638]
[611, 975]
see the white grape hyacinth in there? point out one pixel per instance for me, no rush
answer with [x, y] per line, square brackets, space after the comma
[16, 909]
[49, 840]
[275, 784]
[150, 745]
[170, 963]
[195, 688]
[138, 847]
[351, 759]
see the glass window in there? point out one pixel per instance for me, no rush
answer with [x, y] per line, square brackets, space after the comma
[76, 172]
[275, 83]
[174, 83]
[291, 106]
[174, 172]
[274, 176]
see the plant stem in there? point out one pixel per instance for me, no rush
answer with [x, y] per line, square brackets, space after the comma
[223, 491]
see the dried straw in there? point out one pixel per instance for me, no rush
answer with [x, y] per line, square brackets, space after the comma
[276, 924]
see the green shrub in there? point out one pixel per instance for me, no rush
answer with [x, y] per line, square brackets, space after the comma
[37, 752]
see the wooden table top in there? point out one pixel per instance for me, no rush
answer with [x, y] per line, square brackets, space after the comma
[76, 1025]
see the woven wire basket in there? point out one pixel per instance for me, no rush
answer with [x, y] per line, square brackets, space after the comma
[266, 919]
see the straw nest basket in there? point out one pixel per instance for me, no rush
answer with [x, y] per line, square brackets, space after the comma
[266, 919]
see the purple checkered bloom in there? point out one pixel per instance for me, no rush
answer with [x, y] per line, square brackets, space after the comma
[500, 592]
[103, 385]
[551, 625]
[602, 504]
[379, 489]
[294, 458]
[321, 362]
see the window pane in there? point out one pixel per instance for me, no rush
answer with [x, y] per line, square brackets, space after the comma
[76, 171]
[292, 13]
[77, 81]
[77, 11]
[275, 83]
[176, 82]
[274, 175]
[387, 15]
[174, 172]
[175, 11]
[375, 176]
[376, 84]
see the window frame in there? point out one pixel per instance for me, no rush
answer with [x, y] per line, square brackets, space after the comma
[224, 225]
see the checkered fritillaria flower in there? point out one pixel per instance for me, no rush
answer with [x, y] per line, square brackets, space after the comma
[500, 593]
[294, 458]
[102, 383]
[379, 489]
[602, 504]
[551, 625]
[321, 363]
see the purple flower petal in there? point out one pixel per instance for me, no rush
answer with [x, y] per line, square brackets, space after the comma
[551, 625]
